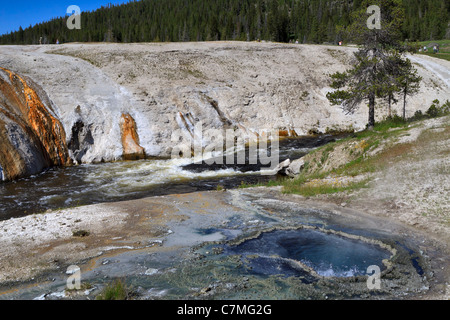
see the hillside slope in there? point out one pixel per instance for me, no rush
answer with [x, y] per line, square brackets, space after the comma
[401, 172]
[170, 87]
[308, 21]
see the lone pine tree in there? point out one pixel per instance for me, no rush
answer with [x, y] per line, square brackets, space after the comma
[379, 69]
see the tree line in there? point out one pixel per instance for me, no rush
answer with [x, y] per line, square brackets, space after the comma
[305, 21]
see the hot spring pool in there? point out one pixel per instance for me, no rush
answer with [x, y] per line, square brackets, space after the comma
[294, 252]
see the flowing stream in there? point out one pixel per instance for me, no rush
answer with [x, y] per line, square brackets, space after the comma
[106, 182]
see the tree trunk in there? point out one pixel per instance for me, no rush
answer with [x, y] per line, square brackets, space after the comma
[404, 105]
[390, 102]
[371, 123]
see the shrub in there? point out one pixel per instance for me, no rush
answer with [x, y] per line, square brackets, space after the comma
[418, 115]
[436, 110]
[80, 233]
[433, 111]
[114, 291]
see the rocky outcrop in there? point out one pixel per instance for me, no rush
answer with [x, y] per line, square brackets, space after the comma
[290, 168]
[130, 139]
[31, 136]
[295, 168]
[282, 167]
[80, 141]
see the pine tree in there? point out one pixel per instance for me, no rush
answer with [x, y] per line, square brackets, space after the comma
[408, 81]
[379, 69]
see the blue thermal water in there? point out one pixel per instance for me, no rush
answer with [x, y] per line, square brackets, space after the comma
[328, 254]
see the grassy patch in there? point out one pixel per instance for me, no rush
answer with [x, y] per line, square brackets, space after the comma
[444, 49]
[313, 179]
[297, 186]
[117, 290]
[440, 55]
[364, 153]
[271, 183]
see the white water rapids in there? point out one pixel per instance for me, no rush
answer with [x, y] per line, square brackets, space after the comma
[126, 180]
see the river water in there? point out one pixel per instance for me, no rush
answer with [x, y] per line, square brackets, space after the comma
[86, 184]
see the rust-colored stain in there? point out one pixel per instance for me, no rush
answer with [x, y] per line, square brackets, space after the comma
[25, 108]
[186, 125]
[287, 133]
[48, 128]
[130, 139]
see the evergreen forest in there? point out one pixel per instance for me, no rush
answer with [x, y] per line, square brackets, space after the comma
[305, 21]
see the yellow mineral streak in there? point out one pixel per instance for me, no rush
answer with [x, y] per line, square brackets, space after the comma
[130, 139]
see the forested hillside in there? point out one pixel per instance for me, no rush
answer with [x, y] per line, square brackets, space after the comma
[308, 21]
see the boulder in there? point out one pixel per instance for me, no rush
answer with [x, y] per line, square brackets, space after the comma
[295, 168]
[31, 136]
[282, 167]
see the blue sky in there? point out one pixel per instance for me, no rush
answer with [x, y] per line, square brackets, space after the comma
[16, 13]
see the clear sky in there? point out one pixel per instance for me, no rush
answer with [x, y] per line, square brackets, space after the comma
[16, 13]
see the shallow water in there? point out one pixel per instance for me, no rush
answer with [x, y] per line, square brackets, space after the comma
[97, 183]
[107, 182]
[234, 252]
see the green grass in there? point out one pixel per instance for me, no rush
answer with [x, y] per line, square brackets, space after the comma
[116, 290]
[369, 140]
[360, 165]
[271, 183]
[384, 132]
[297, 187]
[444, 49]
[442, 43]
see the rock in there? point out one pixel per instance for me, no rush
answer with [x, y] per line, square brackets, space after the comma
[81, 233]
[130, 139]
[295, 168]
[80, 142]
[151, 271]
[31, 136]
[281, 168]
